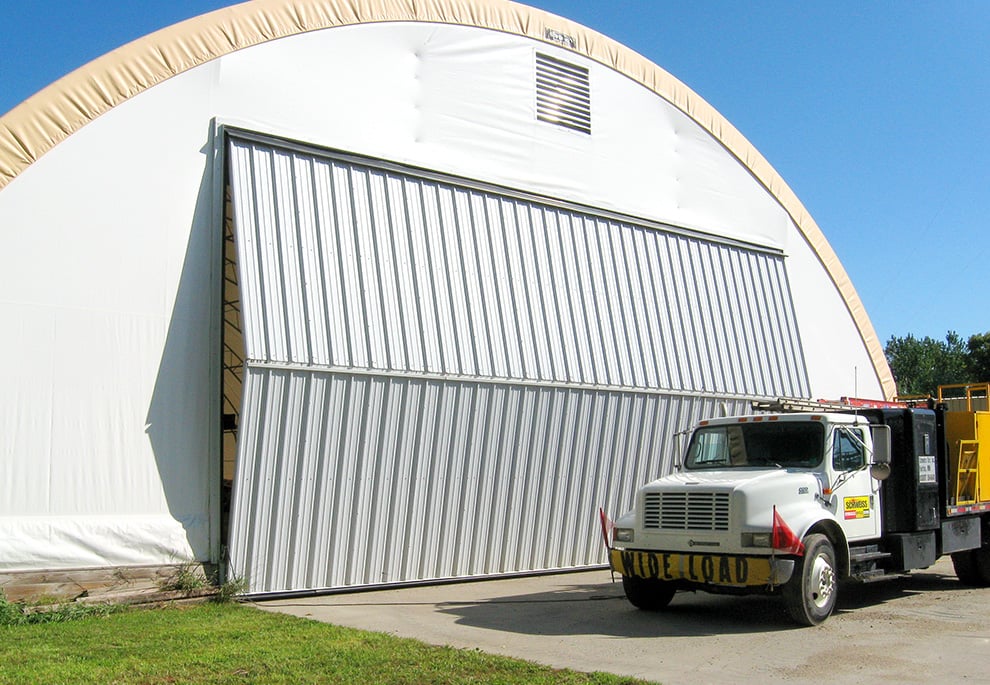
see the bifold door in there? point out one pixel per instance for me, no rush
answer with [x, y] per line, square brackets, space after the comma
[443, 380]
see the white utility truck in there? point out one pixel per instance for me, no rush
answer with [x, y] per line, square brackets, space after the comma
[794, 500]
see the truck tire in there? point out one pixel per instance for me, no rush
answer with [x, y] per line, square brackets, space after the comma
[811, 592]
[647, 594]
[973, 566]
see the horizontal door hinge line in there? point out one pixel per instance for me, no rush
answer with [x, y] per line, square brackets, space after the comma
[489, 380]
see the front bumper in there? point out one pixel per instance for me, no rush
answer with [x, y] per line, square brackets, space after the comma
[720, 570]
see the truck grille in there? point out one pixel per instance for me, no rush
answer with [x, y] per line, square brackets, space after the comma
[686, 510]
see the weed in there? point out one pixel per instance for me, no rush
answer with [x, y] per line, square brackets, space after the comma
[188, 578]
[185, 579]
[10, 614]
[227, 591]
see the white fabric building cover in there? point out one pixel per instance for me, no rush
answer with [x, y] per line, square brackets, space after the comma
[478, 265]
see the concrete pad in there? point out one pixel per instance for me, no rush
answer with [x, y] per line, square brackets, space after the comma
[923, 629]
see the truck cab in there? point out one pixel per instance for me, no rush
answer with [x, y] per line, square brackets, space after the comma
[790, 503]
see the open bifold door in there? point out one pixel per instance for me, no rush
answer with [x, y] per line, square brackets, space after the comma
[443, 380]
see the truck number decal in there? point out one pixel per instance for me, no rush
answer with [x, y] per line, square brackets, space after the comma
[926, 468]
[856, 507]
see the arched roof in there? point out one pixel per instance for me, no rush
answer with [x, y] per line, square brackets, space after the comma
[35, 126]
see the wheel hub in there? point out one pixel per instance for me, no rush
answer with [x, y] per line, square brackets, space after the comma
[822, 581]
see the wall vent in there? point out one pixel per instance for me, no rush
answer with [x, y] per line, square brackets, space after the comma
[563, 94]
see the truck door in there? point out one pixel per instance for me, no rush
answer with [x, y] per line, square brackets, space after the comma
[855, 494]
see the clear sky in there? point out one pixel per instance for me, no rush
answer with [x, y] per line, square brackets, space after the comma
[877, 114]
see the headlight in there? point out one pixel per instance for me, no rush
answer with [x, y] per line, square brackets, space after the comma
[757, 539]
[623, 535]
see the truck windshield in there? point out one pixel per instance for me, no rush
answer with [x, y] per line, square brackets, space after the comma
[775, 444]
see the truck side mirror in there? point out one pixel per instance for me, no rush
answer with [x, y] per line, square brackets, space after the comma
[880, 459]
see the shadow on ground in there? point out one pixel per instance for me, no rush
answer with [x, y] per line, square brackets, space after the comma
[601, 609]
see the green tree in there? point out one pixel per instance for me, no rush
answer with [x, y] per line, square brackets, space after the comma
[920, 366]
[978, 357]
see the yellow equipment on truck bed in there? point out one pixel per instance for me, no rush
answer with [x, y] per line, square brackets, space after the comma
[967, 427]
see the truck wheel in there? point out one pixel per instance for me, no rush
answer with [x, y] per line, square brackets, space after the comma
[811, 592]
[648, 594]
[973, 566]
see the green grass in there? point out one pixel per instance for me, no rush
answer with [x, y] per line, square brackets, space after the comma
[232, 643]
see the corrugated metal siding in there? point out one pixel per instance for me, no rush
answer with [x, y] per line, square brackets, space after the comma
[445, 381]
[349, 480]
[349, 266]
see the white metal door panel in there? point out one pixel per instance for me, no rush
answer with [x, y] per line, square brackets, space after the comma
[350, 265]
[357, 480]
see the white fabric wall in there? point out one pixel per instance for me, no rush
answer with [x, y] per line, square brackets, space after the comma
[107, 249]
[105, 297]
[838, 362]
[462, 100]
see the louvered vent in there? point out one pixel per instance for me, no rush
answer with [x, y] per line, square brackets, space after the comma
[686, 510]
[563, 94]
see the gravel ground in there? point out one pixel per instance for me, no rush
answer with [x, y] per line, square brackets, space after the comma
[925, 628]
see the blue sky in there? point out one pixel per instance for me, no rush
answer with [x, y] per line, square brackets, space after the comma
[877, 114]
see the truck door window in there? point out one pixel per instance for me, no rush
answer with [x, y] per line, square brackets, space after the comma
[847, 450]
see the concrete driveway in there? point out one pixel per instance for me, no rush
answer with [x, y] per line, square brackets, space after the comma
[926, 628]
